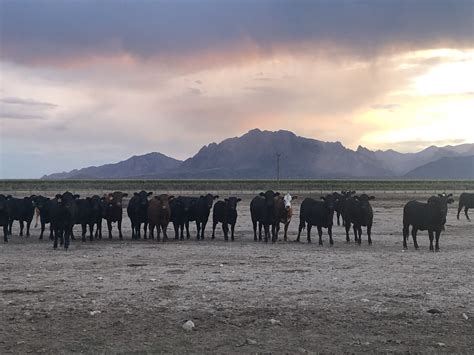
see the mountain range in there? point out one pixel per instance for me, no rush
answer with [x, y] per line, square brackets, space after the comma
[254, 156]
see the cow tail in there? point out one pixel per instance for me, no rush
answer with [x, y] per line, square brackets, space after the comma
[37, 213]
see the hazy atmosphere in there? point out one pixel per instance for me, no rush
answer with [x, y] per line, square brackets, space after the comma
[88, 82]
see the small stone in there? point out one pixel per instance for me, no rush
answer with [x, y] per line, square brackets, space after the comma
[188, 326]
[365, 300]
[20, 342]
[464, 315]
[434, 311]
[93, 313]
[441, 344]
[100, 278]
[251, 341]
[152, 280]
[275, 322]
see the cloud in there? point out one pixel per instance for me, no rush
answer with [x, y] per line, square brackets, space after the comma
[212, 32]
[26, 102]
[19, 116]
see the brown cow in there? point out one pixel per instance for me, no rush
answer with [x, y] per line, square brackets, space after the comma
[113, 210]
[283, 213]
[159, 214]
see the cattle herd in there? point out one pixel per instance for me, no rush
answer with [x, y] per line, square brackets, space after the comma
[268, 211]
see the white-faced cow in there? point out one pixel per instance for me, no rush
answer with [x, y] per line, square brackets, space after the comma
[283, 213]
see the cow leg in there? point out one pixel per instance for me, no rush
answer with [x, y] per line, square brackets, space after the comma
[145, 227]
[176, 230]
[232, 228]
[119, 226]
[331, 241]
[348, 227]
[465, 212]
[138, 233]
[28, 224]
[10, 224]
[214, 224]
[164, 226]
[225, 229]
[406, 228]
[320, 234]
[99, 228]
[459, 210]
[274, 232]
[354, 228]
[338, 216]
[260, 225]
[91, 230]
[84, 231]
[67, 234]
[21, 228]
[359, 230]
[152, 231]
[51, 231]
[300, 228]
[438, 233]
[198, 228]
[109, 226]
[413, 234]
[431, 236]
[203, 228]
[56, 236]
[369, 233]
[309, 232]
[285, 236]
[254, 223]
[186, 224]
[42, 230]
[5, 232]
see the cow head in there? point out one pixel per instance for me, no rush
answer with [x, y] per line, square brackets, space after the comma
[209, 198]
[41, 202]
[269, 197]
[232, 202]
[143, 197]
[287, 200]
[115, 198]
[330, 201]
[96, 203]
[164, 201]
[441, 203]
[364, 202]
[187, 203]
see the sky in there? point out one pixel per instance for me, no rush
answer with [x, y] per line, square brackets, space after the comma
[91, 82]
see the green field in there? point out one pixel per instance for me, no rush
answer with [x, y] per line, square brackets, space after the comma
[236, 185]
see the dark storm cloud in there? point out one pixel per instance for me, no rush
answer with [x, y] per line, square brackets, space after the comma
[38, 31]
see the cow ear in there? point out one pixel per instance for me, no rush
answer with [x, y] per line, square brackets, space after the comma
[102, 198]
[58, 196]
[323, 198]
[88, 198]
[450, 200]
[450, 195]
[353, 192]
[135, 194]
[124, 195]
[277, 194]
[226, 200]
[170, 197]
[76, 196]
[8, 197]
[216, 197]
[150, 193]
[294, 198]
[201, 196]
[239, 199]
[372, 198]
[262, 193]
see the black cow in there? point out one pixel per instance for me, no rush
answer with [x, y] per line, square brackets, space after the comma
[225, 212]
[137, 212]
[70, 211]
[43, 204]
[97, 212]
[113, 211]
[466, 201]
[262, 211]
[22, 210]
[57, 214]
[359, 213]
[319, 214]
[177, 216]
[429, 216]
[4, 216]
[340, 204]
[84, 217]
[202, 208]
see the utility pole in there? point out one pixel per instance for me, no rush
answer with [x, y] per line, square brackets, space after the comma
[278, 169]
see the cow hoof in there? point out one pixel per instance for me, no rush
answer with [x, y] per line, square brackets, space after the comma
[437, 250]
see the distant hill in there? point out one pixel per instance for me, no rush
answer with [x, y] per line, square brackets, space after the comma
[445, 168]
[254, 156]
[138, 165]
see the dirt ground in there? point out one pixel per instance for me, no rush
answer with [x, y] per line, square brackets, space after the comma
[115, 296]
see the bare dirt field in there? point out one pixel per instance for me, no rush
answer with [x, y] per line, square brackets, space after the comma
[115, 296]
